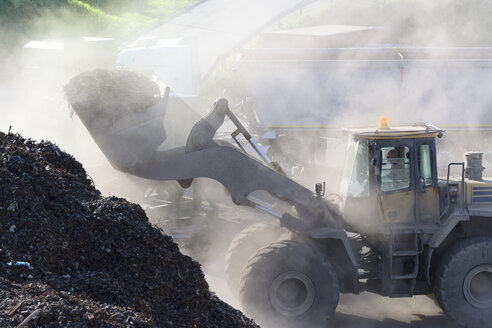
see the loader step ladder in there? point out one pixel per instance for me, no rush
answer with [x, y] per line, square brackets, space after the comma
[404, 250]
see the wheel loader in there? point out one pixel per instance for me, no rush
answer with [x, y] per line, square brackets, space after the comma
[395, 229]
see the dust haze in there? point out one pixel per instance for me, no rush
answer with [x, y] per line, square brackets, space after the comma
[443, 90]
[426, 62]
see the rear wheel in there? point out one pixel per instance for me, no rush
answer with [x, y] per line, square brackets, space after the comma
[463, 285]
[245, 245]
[289, 284]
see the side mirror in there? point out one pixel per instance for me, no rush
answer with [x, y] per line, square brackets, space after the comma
[319, 188]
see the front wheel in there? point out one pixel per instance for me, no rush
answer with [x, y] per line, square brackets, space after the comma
[289, 284]
[463, 285]
[245, 245]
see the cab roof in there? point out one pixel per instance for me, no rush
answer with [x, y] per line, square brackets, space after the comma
[421, 130]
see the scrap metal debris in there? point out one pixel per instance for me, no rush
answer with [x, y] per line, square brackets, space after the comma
[72, 258]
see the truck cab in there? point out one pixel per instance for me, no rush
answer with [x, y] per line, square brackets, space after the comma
[405, 213]
[390, 179]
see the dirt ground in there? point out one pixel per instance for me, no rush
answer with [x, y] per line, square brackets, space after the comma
[365, 310]
[370, 310]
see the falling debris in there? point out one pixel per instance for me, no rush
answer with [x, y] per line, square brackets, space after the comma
[74, 258]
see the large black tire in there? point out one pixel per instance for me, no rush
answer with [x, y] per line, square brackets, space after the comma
[463, 283]
[289, 284]
[245, 245]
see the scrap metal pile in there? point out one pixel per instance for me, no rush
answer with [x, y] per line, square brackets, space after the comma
[72, 258]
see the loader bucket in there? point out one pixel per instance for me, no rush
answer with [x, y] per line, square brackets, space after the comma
[128, 115]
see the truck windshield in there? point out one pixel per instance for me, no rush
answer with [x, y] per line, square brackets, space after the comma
[355, 180]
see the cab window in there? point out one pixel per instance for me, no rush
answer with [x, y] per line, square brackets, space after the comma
[395, 168]
[425, 165]
[359, 184]
[355, 178]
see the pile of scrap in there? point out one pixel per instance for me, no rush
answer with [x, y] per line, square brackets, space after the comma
[72, 258]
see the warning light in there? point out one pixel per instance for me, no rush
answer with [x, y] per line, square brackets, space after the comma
[383, 123]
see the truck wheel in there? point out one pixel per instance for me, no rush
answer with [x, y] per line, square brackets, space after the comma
[463, 285]
[289, 284]
[244, 246]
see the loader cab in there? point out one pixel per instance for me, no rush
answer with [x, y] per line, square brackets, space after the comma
[390, 178]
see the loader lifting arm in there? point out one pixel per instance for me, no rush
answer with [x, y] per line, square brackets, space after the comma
[160, 142]
[239, 173]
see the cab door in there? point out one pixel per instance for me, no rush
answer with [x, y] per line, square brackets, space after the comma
[396, 184]
[426, 182]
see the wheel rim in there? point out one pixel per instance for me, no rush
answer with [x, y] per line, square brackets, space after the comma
[477, 286]
[292, 293]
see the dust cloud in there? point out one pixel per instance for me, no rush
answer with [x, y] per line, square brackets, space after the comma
[443, 89]
[32, 79]
[427, 62]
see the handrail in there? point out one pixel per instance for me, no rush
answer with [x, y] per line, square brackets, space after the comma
[462, 196]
